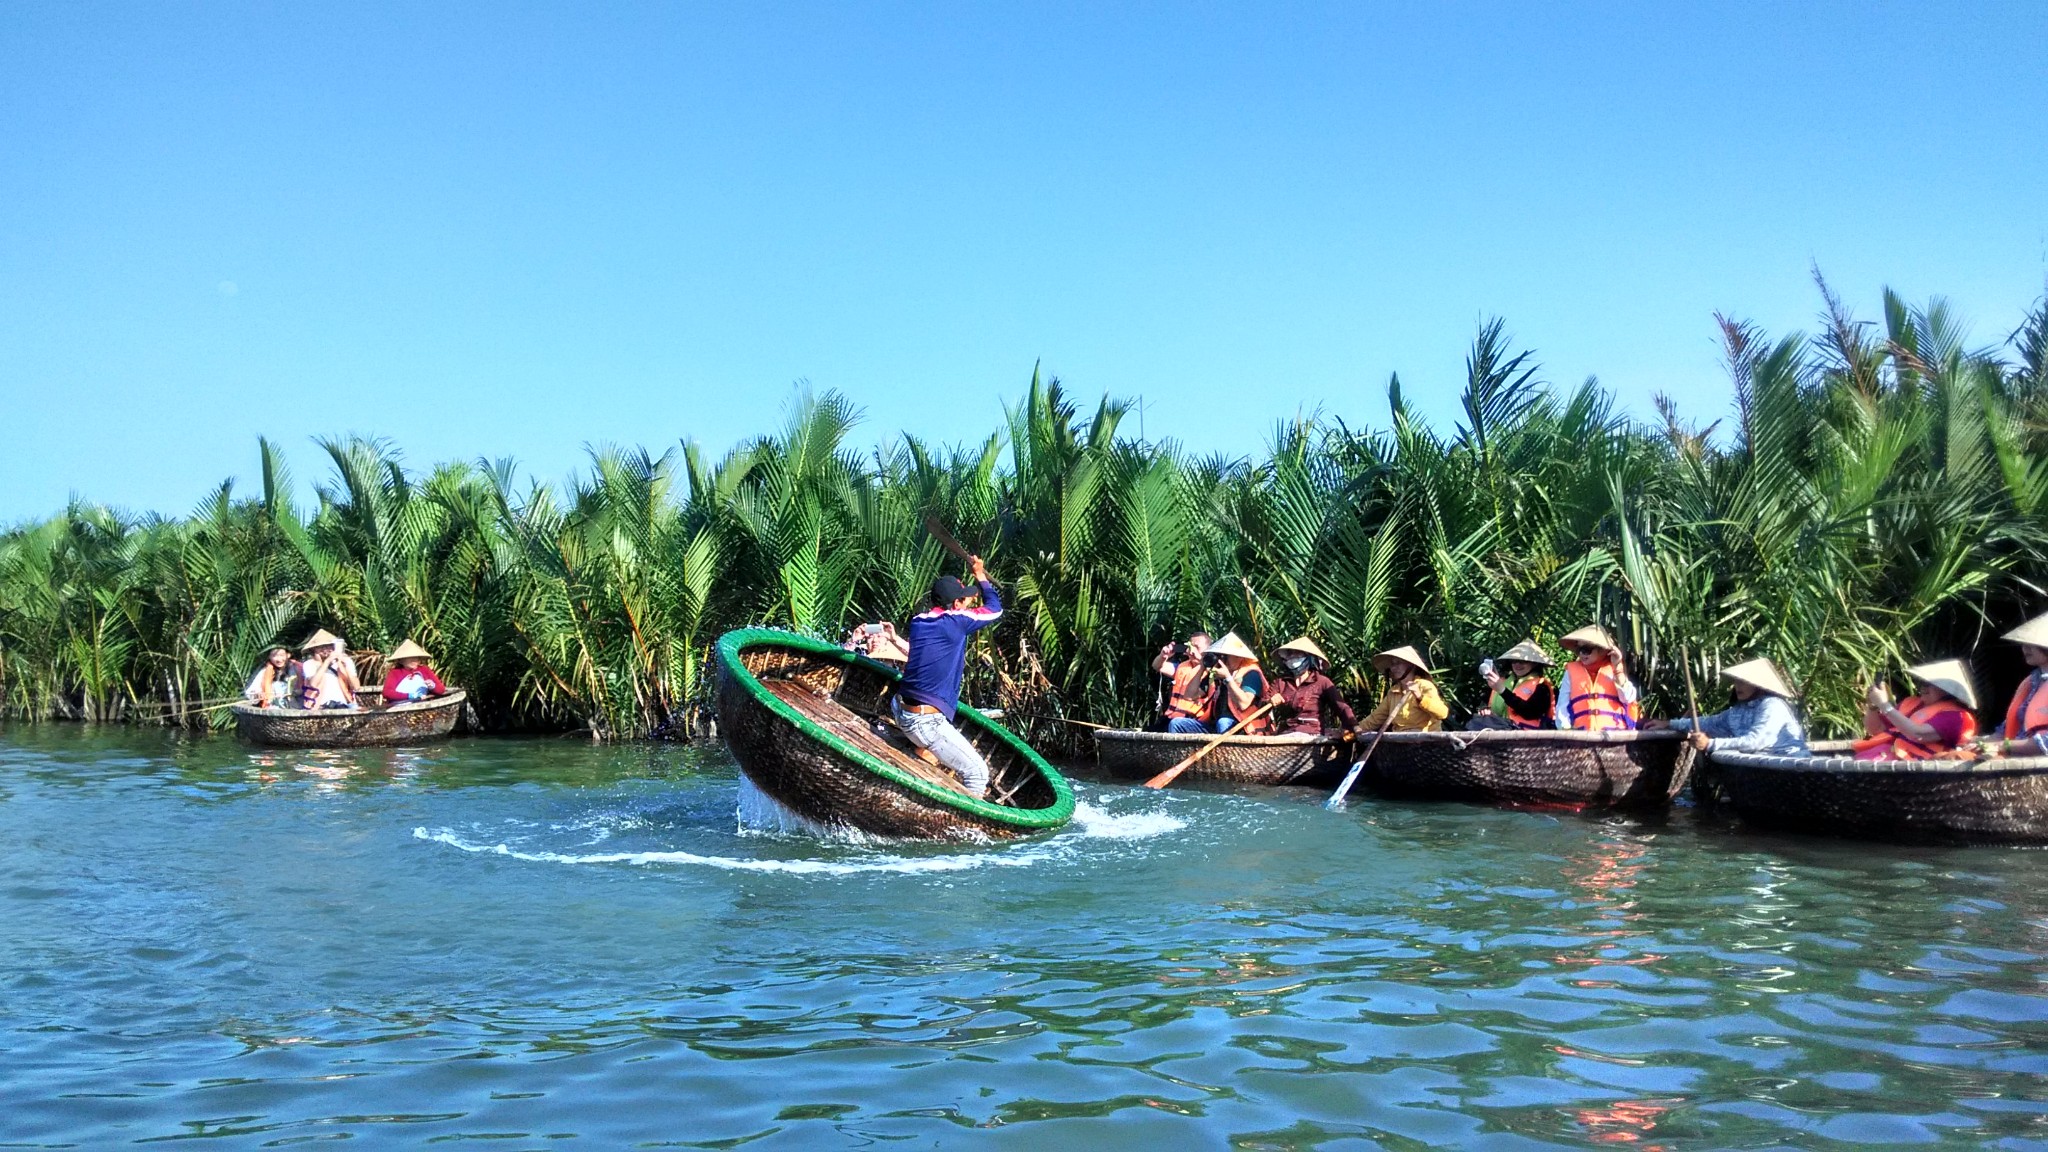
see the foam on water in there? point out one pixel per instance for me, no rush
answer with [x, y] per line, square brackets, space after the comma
[1091, 823]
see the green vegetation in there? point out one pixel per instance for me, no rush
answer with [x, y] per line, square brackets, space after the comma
[1880, 495]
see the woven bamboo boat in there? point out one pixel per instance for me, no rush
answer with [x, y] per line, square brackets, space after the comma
[1316, 761]
[1908, 801]
[1616, 769]
[408, 723]
[800, 716]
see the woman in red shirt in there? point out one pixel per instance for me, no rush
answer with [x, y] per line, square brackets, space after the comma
[410, 678]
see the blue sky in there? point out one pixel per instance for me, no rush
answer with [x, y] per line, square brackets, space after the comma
[520, 229]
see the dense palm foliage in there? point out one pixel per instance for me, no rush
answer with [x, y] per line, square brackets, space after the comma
[1879, 495]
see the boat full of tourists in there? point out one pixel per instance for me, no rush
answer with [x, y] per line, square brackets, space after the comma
[374, 722]
[809, 723]
[1831, 792]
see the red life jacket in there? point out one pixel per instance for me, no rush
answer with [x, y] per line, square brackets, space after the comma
[1185, 699]
[1263, 724]
[1593, 700]
[1896, 745]
[2028, 715]
[1522, 692]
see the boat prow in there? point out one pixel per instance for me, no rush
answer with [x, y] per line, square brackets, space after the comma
[800, 716]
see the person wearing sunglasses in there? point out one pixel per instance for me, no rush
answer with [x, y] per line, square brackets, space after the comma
[1598, 695]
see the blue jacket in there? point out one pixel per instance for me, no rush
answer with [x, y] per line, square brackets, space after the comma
[938, 650]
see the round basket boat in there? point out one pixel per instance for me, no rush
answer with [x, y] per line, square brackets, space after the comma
[1316, 761]
[806, 721]
[1615, 769]
[1905, 801]
[408, 723]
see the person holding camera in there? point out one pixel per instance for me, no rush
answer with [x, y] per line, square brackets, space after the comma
[1524, 698]
[928, 697]
[1187, 683]
[1240, 688]
[326, 680]
[880, 643]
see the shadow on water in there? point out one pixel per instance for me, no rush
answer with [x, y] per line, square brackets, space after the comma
[520, 939]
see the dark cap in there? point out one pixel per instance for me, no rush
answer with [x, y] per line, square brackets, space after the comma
[947, 589]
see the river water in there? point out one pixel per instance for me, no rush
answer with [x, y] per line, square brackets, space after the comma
[544, 944]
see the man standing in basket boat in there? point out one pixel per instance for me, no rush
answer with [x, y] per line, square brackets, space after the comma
[1761, 720]
[1411, 702]
[1936, 724]
[1187, 683]
[1310, 703]
[1240, 689]
[2025, 731]
[928, 698]
[1523, 699]
[1598, 695]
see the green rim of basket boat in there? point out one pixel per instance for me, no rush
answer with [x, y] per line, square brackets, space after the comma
[1057, 813]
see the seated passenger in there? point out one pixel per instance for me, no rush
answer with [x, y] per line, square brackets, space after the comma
[1762, 719]
[1411, 702]
[2025, 730]
[409, 677]
[325, 679]
[1240, 688]
[1524, 697]
[1936, 724]
[1310, 703]
[1187, 684]
[1598, 696]
[880, 643]
[271, 686]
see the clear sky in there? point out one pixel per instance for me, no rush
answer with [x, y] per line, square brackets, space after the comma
[519, 229]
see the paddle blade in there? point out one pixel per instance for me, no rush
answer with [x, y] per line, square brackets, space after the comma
[1336, 801]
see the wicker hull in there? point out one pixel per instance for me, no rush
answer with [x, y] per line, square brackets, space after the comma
[1573, 769]
[1315, 761]
[797, 714]
[1912, 801]
[398, 724]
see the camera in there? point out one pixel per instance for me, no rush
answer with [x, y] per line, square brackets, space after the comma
[1178, 653]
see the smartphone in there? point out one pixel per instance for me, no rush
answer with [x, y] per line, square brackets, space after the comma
[872, 629]
[1486, 666]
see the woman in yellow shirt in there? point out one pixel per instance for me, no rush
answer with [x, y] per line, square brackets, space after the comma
[1411, 698]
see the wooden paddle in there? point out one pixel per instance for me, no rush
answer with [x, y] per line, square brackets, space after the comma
[1336, 801]
[1086, 724]
[945, 538]
[1167, 777]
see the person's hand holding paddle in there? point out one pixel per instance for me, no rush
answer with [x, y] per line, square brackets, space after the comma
[977, 569]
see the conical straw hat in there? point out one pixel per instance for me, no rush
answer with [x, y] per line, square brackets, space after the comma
[1305, 646]
[2033, 632]
[1526, 652]
[320, 639]
[1760, 673]
[1592, 634]
[407, 650]
[1951, 676]
[1404, 654]
[1230, 645]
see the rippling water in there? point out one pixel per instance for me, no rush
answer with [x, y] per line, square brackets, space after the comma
[541, 943]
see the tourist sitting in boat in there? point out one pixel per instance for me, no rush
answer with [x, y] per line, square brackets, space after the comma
[1310, 703]
[409, 677]
[1187, 685]
[2025, 730]
[1411, 702]
[1762, 718]
[928, 697]
[1522, 699]
[1240, 688]
[880, 643]
[326, 678]
[271, 686]
[1936, 724]
[1598, 695]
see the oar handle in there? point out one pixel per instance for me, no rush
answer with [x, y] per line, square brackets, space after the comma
[1168, 776]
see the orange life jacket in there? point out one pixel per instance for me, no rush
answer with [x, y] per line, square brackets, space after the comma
[1263, 724]
[1593, 699]
[1185, 697]
[1896, 745]
[1522, 692]
[2028, 715]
